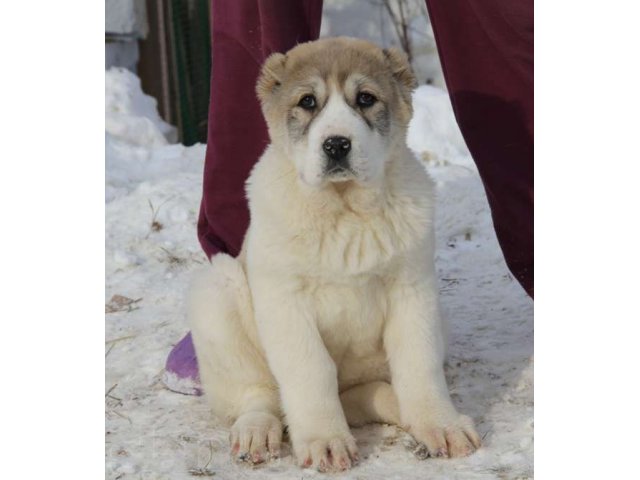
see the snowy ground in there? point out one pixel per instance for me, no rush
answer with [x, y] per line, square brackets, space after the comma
[152, 198]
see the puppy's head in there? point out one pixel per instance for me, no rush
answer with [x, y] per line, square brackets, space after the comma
[338, 107]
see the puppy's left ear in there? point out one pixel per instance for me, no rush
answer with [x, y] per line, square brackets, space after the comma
[270, 76]
[401, 70]
[400, 67]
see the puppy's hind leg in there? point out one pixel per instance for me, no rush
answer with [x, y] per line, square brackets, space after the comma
[373, 402]
[233, 369]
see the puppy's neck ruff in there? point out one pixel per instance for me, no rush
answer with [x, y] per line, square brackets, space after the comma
[356, 231]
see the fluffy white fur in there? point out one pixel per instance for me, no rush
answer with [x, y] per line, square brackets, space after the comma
[329, 316]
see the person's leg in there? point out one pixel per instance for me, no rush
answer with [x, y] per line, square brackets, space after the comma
[486, 51]
[243, 35]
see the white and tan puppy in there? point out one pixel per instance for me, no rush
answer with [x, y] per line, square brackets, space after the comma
[329, 317]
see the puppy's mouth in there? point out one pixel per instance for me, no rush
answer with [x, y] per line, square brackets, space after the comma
[340, 173]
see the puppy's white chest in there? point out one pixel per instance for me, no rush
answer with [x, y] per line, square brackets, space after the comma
[351, 316]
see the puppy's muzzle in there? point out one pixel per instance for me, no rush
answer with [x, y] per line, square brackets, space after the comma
[337, 150]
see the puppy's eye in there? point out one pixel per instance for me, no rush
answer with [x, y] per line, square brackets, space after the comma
[365, 99]
[308, 102]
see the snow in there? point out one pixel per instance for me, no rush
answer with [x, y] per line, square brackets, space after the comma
[126, 17]
[434, 134]
[153, 195]
[137, 139]
[130, 114]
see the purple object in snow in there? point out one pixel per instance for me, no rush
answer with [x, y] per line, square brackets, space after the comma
[181, 371]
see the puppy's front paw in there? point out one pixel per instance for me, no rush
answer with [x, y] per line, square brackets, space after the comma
[256, 437]
[327, 453]
[454, 437]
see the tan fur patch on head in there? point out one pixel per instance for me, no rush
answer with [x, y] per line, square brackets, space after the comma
[284, 79]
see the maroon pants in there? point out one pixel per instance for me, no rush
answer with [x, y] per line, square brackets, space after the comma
[486, 50]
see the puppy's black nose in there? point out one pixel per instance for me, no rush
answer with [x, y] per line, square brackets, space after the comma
[336, 148]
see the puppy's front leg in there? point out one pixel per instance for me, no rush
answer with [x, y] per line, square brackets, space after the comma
[306, 376]
[415, 344]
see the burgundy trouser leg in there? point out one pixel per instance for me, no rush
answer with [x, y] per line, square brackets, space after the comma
[486, 51]
[244, 34]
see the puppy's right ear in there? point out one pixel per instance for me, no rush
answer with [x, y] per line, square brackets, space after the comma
[270, 76]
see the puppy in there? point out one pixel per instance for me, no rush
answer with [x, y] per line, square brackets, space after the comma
[329, 316]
